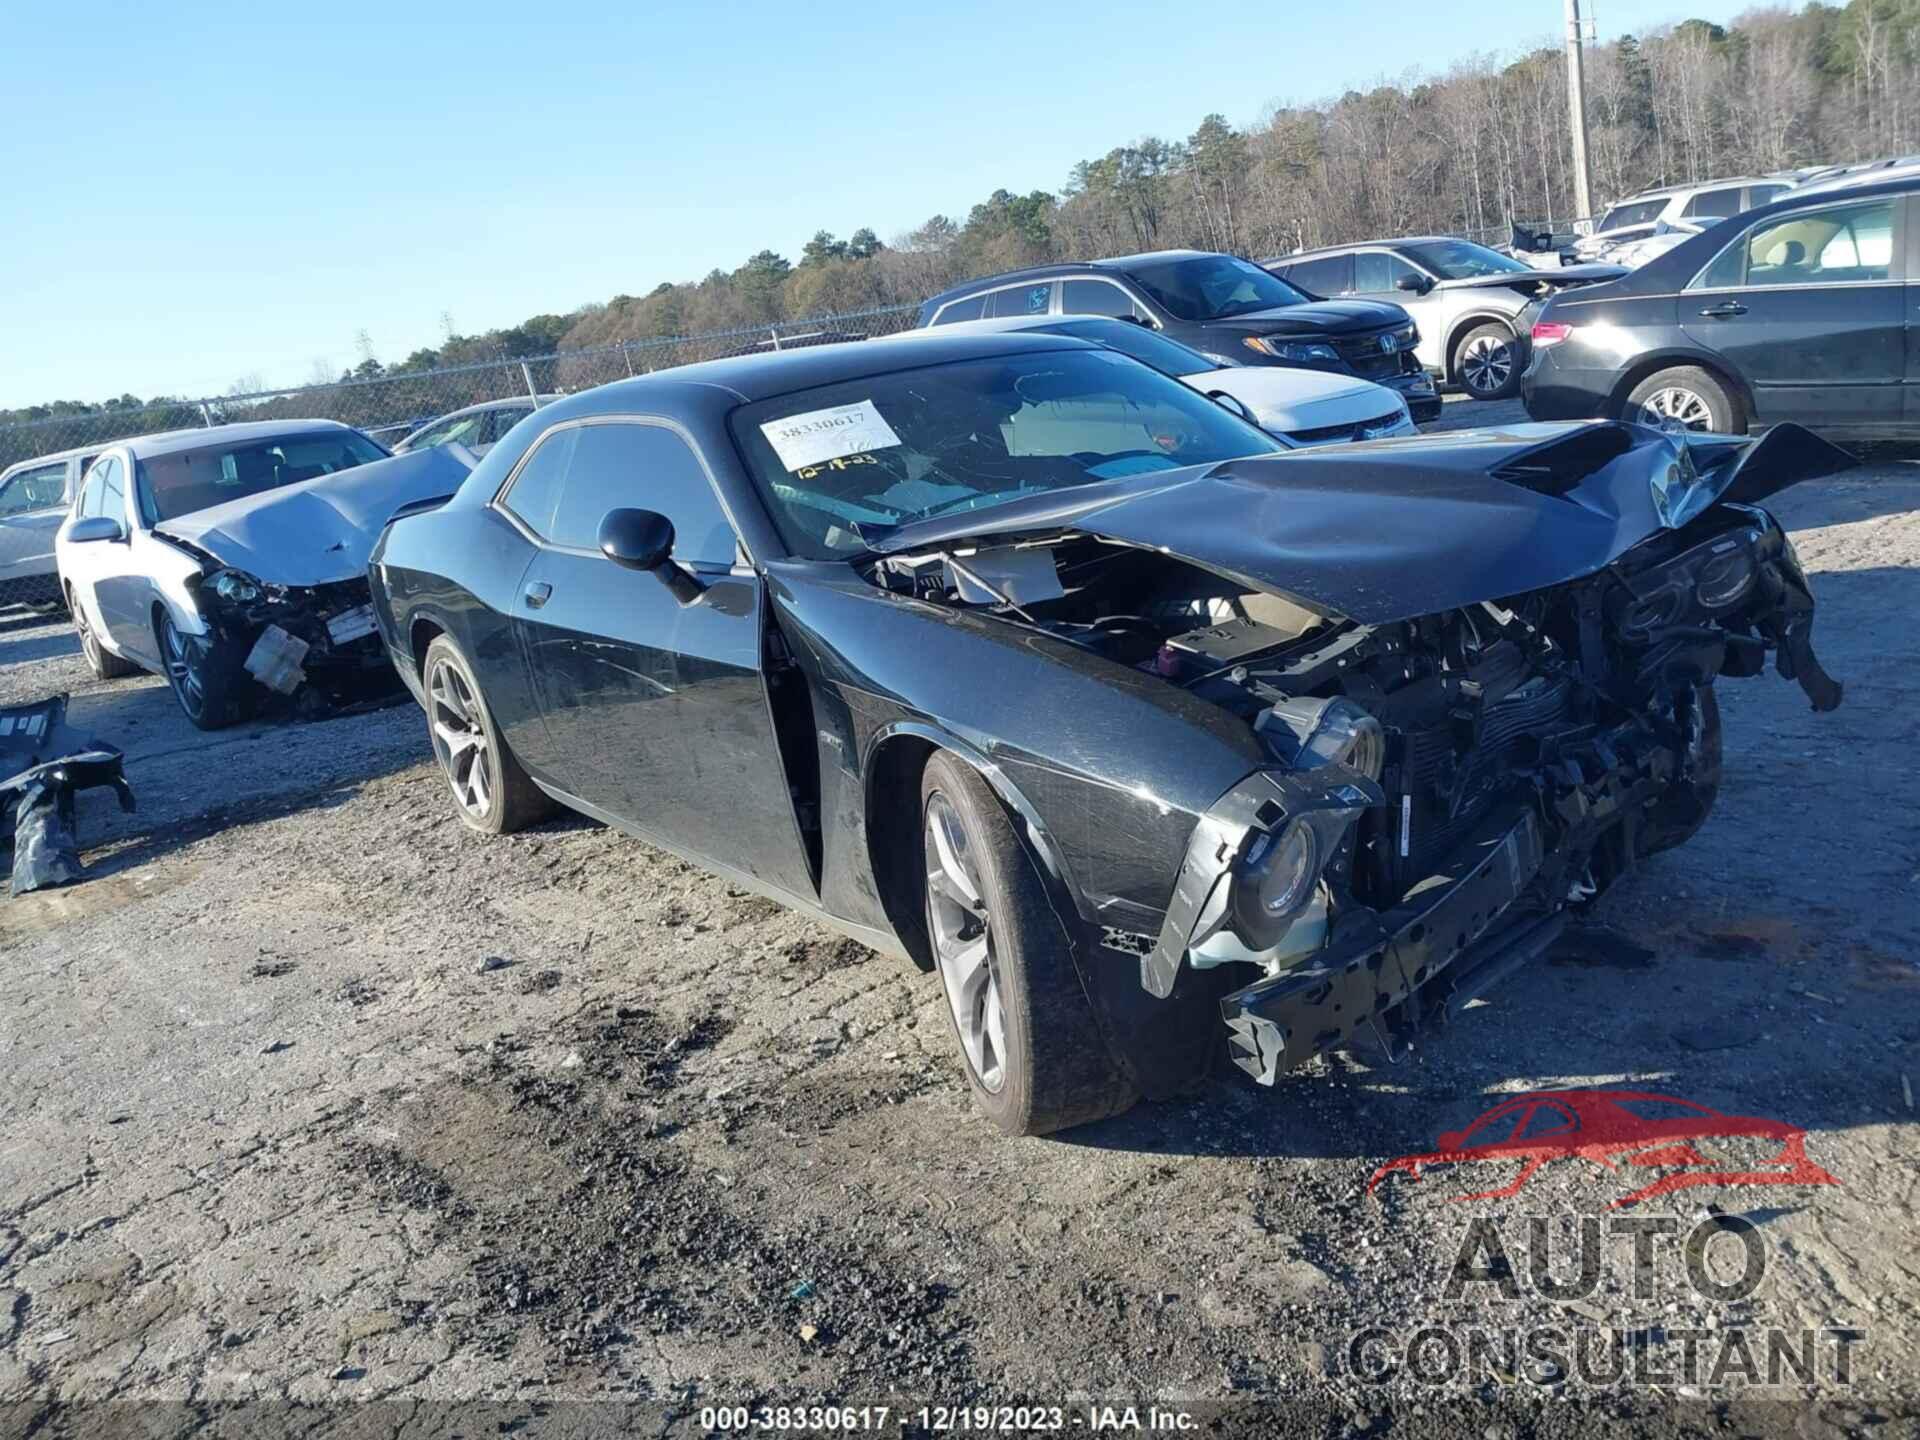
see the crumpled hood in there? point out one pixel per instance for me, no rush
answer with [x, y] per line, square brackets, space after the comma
[1317, 317]
[1394, 529]
[318, 531]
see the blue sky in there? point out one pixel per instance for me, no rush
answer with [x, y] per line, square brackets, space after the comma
[197, 193]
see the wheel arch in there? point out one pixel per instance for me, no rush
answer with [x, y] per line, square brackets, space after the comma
[1647, 366]
[422, 631]
[1461, 327]
[896, 757]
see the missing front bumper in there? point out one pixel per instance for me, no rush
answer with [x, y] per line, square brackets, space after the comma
[1448, 930]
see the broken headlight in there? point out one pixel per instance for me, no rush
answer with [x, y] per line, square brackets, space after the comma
[1310, 732]
[233, 585]
[1279, 867]
[1724, 578]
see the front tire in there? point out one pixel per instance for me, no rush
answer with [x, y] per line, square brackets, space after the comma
[1686, 398]
[491, 792]
[1487, 364]
[104, 664]
[1034, 1057]
[208, 675]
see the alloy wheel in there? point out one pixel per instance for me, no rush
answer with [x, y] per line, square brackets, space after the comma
[188, 683]
[1486, 365]
[961, 928]
[89, 646]
[460, 739]
[1677, 408]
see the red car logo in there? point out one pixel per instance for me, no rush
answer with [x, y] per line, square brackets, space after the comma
[1619, 1130]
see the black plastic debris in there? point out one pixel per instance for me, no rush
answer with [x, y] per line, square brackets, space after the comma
[46, 763]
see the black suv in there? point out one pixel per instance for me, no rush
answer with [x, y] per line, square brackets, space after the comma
[1800, 310]
[1228, 309]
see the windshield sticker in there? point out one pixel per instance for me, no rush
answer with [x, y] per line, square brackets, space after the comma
[818, 436]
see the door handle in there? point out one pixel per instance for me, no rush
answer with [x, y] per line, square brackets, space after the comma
[1726, 310]
[536, 595]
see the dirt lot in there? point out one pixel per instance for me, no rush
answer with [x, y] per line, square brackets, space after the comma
[308, 1093]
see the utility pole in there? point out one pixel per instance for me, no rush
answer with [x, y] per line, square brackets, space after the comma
[1577, 112]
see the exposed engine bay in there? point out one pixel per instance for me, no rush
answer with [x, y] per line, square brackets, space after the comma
[1565, 732]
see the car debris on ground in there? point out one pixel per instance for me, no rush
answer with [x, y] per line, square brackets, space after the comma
[47, 763]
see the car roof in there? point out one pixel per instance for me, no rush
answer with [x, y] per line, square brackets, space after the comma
[1667, 192]
[1363, 245]
[780, 372]
[511, 402]
[1694, 252]
[174, 442]
[52, 455]
[1011, 324]
[1121, 263]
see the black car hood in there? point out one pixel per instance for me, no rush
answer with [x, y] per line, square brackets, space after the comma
[1317, 317]
[1394, 529]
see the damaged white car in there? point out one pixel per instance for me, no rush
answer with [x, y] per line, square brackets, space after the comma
[233, 559]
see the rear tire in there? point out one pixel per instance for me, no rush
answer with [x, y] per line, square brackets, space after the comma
[103, 662]
[1034, 1057]
[491, 792]
[1486, 362]
[1686, 398]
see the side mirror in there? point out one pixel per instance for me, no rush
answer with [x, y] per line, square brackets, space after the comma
[1414, 284]
[643, 540]
[636, 539]
[1233, 404]
[95, 527]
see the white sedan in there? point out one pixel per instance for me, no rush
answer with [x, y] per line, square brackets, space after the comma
[232, 560]
[1296, 407]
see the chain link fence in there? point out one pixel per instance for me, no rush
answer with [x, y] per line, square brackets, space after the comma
[391, 405]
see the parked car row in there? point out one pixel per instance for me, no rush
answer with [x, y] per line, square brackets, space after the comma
[1465, 298]
[1228, 309]
[1802, 310]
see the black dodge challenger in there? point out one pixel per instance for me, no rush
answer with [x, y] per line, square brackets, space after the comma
[1014, 655]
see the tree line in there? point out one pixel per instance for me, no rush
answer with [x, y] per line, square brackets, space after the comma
[1471, 151]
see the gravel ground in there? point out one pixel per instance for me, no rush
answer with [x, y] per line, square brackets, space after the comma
[310, 1094]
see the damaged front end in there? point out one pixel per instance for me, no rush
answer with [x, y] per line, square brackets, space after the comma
[1532, 751]
[317, 641]
[1483, 670]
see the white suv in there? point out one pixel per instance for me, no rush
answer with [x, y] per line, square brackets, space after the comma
[1707, 203]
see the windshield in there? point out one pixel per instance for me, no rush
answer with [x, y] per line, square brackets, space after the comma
[1464, 260]
[1169, 357]
[1634, 212]
[886, 450]
[179, 484]
[1212, 287]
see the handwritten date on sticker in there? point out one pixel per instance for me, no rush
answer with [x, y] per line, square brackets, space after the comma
[817, 436]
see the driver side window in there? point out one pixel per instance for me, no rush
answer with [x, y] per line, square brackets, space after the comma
[578, 473]
[37, 489]
[1376, 271]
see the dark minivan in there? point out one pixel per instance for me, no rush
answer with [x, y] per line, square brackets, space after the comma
[1802, 310]
[1228, 309]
